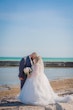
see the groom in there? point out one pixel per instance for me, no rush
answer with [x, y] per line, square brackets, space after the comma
[25, 62]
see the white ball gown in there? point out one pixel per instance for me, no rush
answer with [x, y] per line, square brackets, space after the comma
[37, 89]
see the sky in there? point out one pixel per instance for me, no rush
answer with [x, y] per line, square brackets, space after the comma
[42, 26]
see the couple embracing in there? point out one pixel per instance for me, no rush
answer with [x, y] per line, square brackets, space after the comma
[35, 87]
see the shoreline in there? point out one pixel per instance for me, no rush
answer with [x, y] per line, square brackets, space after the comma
[50, 80]
[62, 86]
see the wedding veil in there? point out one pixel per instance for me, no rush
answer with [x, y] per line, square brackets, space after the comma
[41, 64]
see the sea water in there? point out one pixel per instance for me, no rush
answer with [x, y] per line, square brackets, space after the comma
[9, 75]
[44, 59]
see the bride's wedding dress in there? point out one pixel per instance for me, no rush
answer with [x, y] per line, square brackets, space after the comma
[37, 89]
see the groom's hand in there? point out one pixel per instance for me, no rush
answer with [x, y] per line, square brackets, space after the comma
[21, 78]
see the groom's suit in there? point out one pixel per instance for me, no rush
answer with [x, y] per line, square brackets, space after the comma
[25, 62]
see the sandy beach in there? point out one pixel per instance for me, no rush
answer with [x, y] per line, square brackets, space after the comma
[8, 93]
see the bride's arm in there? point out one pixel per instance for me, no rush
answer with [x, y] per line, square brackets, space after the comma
[35, 71]
[29, 75]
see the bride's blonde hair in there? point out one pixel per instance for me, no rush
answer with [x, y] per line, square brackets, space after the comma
[37, 59]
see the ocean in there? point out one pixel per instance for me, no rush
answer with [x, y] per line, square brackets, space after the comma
[9, 75]
[44, 59]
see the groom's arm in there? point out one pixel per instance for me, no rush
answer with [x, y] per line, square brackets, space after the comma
[21, 67]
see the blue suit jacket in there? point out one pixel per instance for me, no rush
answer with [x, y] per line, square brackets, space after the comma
[22, 65]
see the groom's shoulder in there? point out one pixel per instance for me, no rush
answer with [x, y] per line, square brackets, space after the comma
[24, 58]
[22, 61]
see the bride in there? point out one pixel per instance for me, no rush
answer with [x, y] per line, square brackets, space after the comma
[37, 89]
